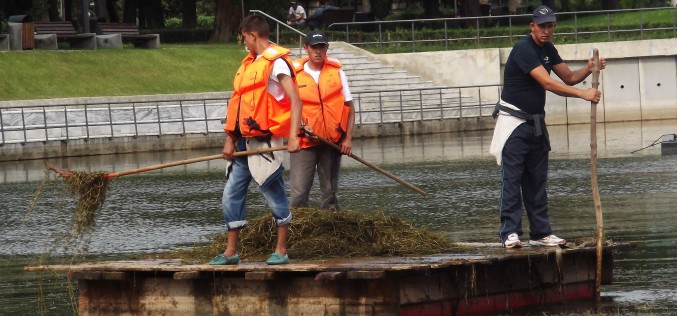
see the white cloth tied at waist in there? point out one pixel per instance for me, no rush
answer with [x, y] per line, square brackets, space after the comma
[505, 125]
[261, 166]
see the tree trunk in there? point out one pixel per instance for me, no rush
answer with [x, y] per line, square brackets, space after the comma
[189, 13]
[610, 5]
[68, 10]
[101, 10]
[223, 21]
[112, 12]
[512, 6]
[366, 6]
[150, 14]
[129, 11]
[471, 8]
[53, 10]
[381, 8]
[431, 9]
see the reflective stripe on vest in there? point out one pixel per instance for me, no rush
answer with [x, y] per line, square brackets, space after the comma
[253, 110]
[324, 108]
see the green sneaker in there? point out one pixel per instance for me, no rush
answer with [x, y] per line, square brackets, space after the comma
[221, 260]
[276, 258]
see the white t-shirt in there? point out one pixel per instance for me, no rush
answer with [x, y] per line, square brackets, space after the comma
[274, 87]
[344, 81]
[299, 12]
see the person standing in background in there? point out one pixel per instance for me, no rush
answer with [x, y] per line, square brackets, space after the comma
[328, 112]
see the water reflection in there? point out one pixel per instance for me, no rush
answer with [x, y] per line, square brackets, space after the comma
[179, 206]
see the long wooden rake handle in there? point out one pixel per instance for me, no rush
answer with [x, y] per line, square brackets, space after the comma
[370, 165]
[593, 176]
[193, 160]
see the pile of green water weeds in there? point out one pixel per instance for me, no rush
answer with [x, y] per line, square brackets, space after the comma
[321, 234]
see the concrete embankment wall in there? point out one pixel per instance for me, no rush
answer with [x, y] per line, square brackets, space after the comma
[639, 83]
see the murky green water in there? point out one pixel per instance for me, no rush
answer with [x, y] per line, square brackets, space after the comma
[177, 207]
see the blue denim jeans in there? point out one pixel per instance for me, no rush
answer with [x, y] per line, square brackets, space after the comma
[235, 195]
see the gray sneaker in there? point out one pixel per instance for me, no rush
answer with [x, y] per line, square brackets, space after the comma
[548, 241]
[513, 241]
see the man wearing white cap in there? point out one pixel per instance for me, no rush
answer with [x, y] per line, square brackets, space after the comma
[520, 141]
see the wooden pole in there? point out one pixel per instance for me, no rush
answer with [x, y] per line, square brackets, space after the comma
[593, 176]
[370, 165]
[193, 160]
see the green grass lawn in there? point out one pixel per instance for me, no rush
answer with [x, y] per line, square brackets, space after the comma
[76, 73]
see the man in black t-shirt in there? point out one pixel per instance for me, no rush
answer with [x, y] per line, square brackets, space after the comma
[520, 142]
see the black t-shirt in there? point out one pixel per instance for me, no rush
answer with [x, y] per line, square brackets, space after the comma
[519, 87]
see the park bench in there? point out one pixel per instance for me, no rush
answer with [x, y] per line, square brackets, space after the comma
[337, 16]
[63, 31]
[4, 41]
[130, 34]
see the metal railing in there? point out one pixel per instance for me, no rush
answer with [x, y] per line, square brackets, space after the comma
[420, 104]
[24, 124]
[489, 31]
[44, 123]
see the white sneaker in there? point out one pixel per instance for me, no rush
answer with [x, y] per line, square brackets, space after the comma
[548, 241]
[513, 241]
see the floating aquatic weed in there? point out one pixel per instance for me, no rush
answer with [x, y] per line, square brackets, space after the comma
[90, 189]
[321, 234]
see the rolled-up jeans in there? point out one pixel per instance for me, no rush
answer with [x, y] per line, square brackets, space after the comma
[235, 195]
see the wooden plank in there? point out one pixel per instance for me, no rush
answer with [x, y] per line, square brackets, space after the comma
[114, 275]
[87, 275]
[259, 276]
[365, 275]
[330, 276]
[188, 275]
[100, 275]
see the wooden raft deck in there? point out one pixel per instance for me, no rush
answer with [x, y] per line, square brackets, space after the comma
[484, 279]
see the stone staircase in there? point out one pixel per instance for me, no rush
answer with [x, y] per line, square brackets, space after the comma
[382, 93]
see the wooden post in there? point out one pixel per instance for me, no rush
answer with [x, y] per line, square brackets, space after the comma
[593, 176]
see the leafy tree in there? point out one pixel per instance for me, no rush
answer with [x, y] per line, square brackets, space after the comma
[549, 3]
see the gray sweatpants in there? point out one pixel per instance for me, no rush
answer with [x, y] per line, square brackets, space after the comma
[302, 165]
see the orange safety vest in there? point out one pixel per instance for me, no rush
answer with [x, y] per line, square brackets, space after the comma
[252, 110]
[324, 108]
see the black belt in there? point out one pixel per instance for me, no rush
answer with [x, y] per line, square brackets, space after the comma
[538, 121]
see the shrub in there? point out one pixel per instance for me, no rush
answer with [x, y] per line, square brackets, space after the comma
[205, 21]
[173, 23]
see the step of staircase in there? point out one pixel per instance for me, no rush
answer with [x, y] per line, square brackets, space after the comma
[383, 93]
